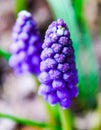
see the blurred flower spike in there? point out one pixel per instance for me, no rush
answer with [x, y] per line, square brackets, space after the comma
[26, 47]
[58, 75]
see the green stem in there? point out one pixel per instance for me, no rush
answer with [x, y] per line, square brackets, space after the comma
[27, 121]
[5, 54]
[52, 111]
[53, 115]
[20, 5]
[99, 109]
[66, 119]
[98, 115]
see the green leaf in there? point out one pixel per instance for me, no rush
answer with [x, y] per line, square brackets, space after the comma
[20, 5]
[28, 122]
[63, 9]
[78, 7]
[5, 54]
[66, 118]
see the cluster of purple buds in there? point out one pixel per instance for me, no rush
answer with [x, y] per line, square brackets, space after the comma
[58, 75]
[26, 47]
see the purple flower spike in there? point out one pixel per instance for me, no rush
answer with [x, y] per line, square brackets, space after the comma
[26, 47]
[58, 69]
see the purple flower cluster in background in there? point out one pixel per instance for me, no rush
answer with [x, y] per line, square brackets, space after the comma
[26, 47]
[58, 75]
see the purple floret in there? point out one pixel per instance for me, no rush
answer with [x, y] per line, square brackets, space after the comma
[26, 47]
[58, 69]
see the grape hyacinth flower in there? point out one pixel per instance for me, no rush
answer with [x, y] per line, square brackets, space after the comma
[58, 75]
[26, 47]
